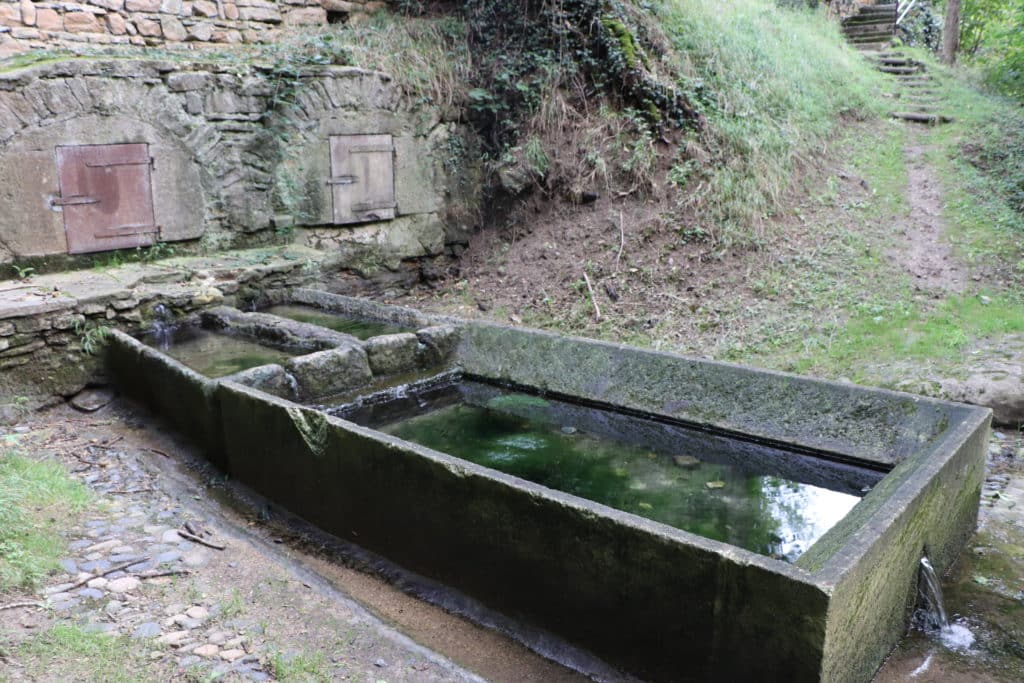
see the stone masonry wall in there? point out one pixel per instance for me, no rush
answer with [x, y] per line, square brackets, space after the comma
[226, 158]
[28, 24]
[49, 344]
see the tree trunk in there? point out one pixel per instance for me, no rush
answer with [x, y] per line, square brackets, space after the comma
[951, 32]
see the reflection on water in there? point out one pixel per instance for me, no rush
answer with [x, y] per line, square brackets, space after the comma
[216, 355]
[339, 322]
[694, 489]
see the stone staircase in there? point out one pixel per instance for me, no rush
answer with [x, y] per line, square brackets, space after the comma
[872, 27]
[917, 97]
[871, 30]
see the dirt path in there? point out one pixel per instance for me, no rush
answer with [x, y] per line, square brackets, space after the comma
[923, 249]
[263, 608]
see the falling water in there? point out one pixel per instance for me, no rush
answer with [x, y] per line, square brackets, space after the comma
[163, 326]
[932, 613]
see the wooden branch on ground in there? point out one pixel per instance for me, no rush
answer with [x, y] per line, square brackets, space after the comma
[116, 568]
[16, 605]
[593, 299]
[622, 242]
[202, 541]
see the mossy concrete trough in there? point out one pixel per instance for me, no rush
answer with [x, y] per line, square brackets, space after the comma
[654, 601]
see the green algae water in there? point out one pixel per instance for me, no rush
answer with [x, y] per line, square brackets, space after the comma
[339, 322]
[707, 485]
[216, 355]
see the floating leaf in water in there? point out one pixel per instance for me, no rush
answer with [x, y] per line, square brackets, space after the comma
[687, 461]
[646, 506]
[638, 486]
[715, 484]
[621, 472]
[980, 580]
[569, 430]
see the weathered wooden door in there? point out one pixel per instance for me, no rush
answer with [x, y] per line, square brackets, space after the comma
[362, 178]
[106, 195]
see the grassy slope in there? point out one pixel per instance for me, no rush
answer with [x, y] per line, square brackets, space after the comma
[36, 498]
[783, 81]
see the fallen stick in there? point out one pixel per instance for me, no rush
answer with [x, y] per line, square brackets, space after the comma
[127, 491]
[158, 452]
[117, 568]
[202, 541]
[593, 299]
[622, 242]
[169, 572]
[16, 605]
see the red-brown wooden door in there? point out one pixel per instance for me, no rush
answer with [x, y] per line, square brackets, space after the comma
[107, 196]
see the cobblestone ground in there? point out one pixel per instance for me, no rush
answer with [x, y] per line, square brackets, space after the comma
[190, 596]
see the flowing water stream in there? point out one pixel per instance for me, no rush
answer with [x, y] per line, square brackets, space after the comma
[932, 617]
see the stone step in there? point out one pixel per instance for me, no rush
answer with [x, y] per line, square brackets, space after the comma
[899, 69]
[873, 9]
[919, 117]
[858, 29]
[872, 47]
[896, 61]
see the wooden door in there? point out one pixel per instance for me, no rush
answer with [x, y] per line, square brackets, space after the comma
[362, 178]
[106, 195]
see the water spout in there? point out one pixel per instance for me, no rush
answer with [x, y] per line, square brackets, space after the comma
[163, 326]
[933, 608]
[932, 617]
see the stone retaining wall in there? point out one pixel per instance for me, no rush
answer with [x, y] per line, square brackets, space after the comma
[26, 25]
[49, 342]
[230, 165]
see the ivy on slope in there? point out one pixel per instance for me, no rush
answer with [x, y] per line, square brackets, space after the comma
[524, 48]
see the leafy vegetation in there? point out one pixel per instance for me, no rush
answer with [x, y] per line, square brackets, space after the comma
[36, 497]
[992, 33]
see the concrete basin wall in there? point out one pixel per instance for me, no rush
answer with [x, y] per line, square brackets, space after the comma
[174, 391]
[845, 420]
[660, 603]
[655, 601]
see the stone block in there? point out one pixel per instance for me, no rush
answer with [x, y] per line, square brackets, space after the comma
[148, 27]
[10, 15]
[306, 16]
[151, 6]
[185, 81]
[269, 378]
[437, 345]
[264, 14]
[116, 24]
[230, 11]
[391, 354]
[81, 22]
[28, 12]
[49, 20]
[112, 5]
[203, 32]
[330, 372]
[171, 6]
[173, 29]
[205, 8]
[25, 33]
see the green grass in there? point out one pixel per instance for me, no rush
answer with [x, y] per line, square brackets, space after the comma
[912, 333]
[72, 653]
[782, 82]
[303, 666]
[36, 497]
